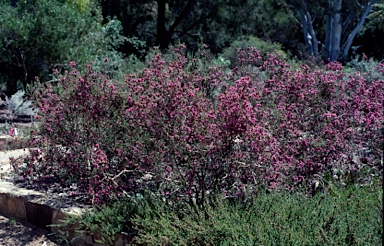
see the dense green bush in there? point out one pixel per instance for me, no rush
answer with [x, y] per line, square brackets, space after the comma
[339, 217]
[39, 36]
[105, 221]
[265, 47]
[348, 216]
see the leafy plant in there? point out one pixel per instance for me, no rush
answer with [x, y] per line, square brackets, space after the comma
[242, 43]
[31, 45]
[18, 105]
[370, 69]
[80, 5]
[342, 216]
[101, 222]
[187, 130]
[378, 14]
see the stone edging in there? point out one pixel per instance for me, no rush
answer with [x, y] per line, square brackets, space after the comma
[35, 208]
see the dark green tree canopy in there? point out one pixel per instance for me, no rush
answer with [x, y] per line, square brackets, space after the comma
[39, 35]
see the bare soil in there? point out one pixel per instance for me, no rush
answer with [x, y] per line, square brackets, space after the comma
[20, 233]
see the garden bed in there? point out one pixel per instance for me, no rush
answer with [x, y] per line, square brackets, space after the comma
[43, 209]
[172, 153]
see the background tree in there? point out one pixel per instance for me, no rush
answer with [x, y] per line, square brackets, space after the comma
[162, 22]
[39, 35]
[216, 23]
[369, 40]
[342, 19]
[378, 14]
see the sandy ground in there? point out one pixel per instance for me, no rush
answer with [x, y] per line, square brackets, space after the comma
[19, 233]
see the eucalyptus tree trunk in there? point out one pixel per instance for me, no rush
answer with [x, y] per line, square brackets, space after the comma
[338, 36]
[310, 38]
[333, 31]
[164, 33]
[326, 52]
[336, 31]
[347, 45]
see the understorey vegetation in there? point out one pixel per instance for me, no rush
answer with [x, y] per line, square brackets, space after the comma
[347, 216]
[189, 129]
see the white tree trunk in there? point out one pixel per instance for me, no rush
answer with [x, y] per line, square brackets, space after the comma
[333, 32]
[309, 33]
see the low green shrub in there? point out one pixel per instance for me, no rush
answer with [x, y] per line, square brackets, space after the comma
[104, 221]
[340, 217]
[371, 70]
[347, 216]
[231, 53]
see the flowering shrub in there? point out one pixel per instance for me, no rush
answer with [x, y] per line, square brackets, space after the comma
[186, 129]
[321, 118]
[80, 134]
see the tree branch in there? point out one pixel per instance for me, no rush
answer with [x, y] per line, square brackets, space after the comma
[182, 15]
[357, 28]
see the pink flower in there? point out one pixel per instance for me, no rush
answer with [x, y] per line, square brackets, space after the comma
[12, 132]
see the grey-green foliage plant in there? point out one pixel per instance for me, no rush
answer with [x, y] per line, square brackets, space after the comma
[368, 67]
[101, 47]
[18, 105]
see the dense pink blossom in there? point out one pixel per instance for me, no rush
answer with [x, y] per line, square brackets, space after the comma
[187, 130]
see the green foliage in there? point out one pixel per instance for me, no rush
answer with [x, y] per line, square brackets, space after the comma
[104, 221]
[351, 216]
[217, 23]
[39, 36]
[80, 5]
[378, 15]
[31, 43]
[244, 42]
[102, 45]
[339, 217]
[369, 68]
[264, 18]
